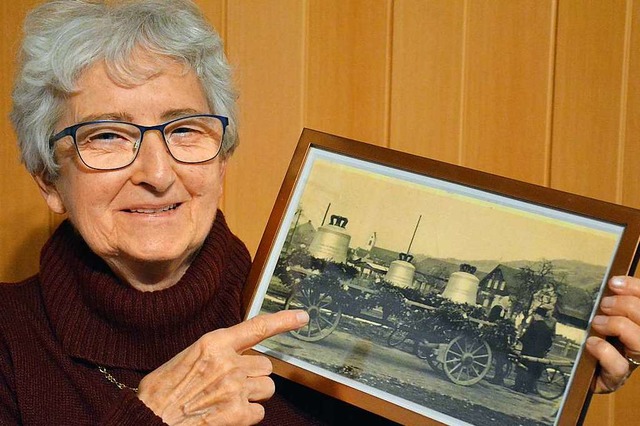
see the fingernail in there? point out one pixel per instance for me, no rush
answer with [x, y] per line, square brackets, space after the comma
[592, 341]
[302, 317]
[618, 282]
[607, 302]
[600, 319]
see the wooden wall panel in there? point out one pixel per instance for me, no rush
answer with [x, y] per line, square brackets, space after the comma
[631, 165]
[425, 111]
[601, 411]
[625, 408]
[215, 11]
[265, 41]
[587, 110]
[586, 125]
[507, 97]
[347, 68]
[24, 217]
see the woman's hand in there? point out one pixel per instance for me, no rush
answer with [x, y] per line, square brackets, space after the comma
[621, 319]
[211, 382]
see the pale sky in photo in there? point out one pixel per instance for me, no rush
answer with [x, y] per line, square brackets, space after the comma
[452, 225]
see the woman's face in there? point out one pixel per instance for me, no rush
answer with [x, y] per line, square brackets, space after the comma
[152, 216]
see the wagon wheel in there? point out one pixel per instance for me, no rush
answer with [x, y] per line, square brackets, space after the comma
[551, 383]
[398, 335]
[323, 316]
[466, 360]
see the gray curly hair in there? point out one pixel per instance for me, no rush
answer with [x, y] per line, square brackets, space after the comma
[64, 37]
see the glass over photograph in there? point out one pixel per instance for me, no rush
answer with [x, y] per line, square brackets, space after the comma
[464, 306]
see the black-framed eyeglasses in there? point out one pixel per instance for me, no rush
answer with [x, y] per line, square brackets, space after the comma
[111, 145]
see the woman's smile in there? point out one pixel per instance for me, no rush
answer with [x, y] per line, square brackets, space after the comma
[153, 210]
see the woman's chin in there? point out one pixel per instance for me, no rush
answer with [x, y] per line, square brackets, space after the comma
[156, 256]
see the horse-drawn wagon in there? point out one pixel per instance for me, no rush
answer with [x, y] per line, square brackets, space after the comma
[454, 338]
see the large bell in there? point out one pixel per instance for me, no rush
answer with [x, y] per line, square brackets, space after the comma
[401, 271]
[331, 241]
[462, 286]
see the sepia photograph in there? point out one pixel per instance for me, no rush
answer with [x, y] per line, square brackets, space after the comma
[463, 306]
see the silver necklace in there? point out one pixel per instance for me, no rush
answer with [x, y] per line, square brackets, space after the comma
[113, 380]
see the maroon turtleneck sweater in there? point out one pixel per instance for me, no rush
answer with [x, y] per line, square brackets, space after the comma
[57, 327]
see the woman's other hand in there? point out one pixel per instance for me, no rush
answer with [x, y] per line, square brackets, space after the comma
[621, 319]
[212, 382]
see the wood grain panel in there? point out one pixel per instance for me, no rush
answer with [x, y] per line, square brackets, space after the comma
[214, 10]
[265, 41]
[600, 411]
[631, 165]
[627, 409]
[507, 99]
[586, 125]
[426, 78]
[347, 68]
[24, 217]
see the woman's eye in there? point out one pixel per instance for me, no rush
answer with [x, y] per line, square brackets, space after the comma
[104, 137]
[183, 130]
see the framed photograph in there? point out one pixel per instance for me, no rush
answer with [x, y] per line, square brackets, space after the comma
[437, 294]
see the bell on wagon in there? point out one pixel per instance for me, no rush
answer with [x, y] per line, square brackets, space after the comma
[462, 286]
[401, 271]
[331, 241]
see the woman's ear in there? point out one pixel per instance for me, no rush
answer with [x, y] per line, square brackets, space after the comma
[50, 193]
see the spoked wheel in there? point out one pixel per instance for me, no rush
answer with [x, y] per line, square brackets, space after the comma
[323, 315]
[467, 360]
[398, 335]
[551, 383]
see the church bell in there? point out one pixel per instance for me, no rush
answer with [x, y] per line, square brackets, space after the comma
[331, 241]
[401, 271]
[462, 286]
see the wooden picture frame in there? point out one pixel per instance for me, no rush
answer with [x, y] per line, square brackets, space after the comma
[420, 277]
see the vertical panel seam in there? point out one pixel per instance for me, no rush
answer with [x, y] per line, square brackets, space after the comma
[225, 21]
[224, 34]
[388, 74]
[463, 79]
[304, 110]
[624, 93]
[551, 91]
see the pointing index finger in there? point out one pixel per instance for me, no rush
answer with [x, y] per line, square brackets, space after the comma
[253, 331]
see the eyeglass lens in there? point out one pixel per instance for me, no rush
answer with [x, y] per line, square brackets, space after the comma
[111, 145]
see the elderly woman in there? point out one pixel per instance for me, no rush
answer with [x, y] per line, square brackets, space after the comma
[125, 118]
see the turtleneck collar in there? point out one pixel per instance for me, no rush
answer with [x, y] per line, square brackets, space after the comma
[101, 319]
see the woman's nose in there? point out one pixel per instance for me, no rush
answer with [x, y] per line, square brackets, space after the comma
[154, 165]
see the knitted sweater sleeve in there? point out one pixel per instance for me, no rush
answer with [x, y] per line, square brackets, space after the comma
[129, 410]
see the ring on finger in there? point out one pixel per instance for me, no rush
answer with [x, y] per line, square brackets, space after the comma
[633, 358]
